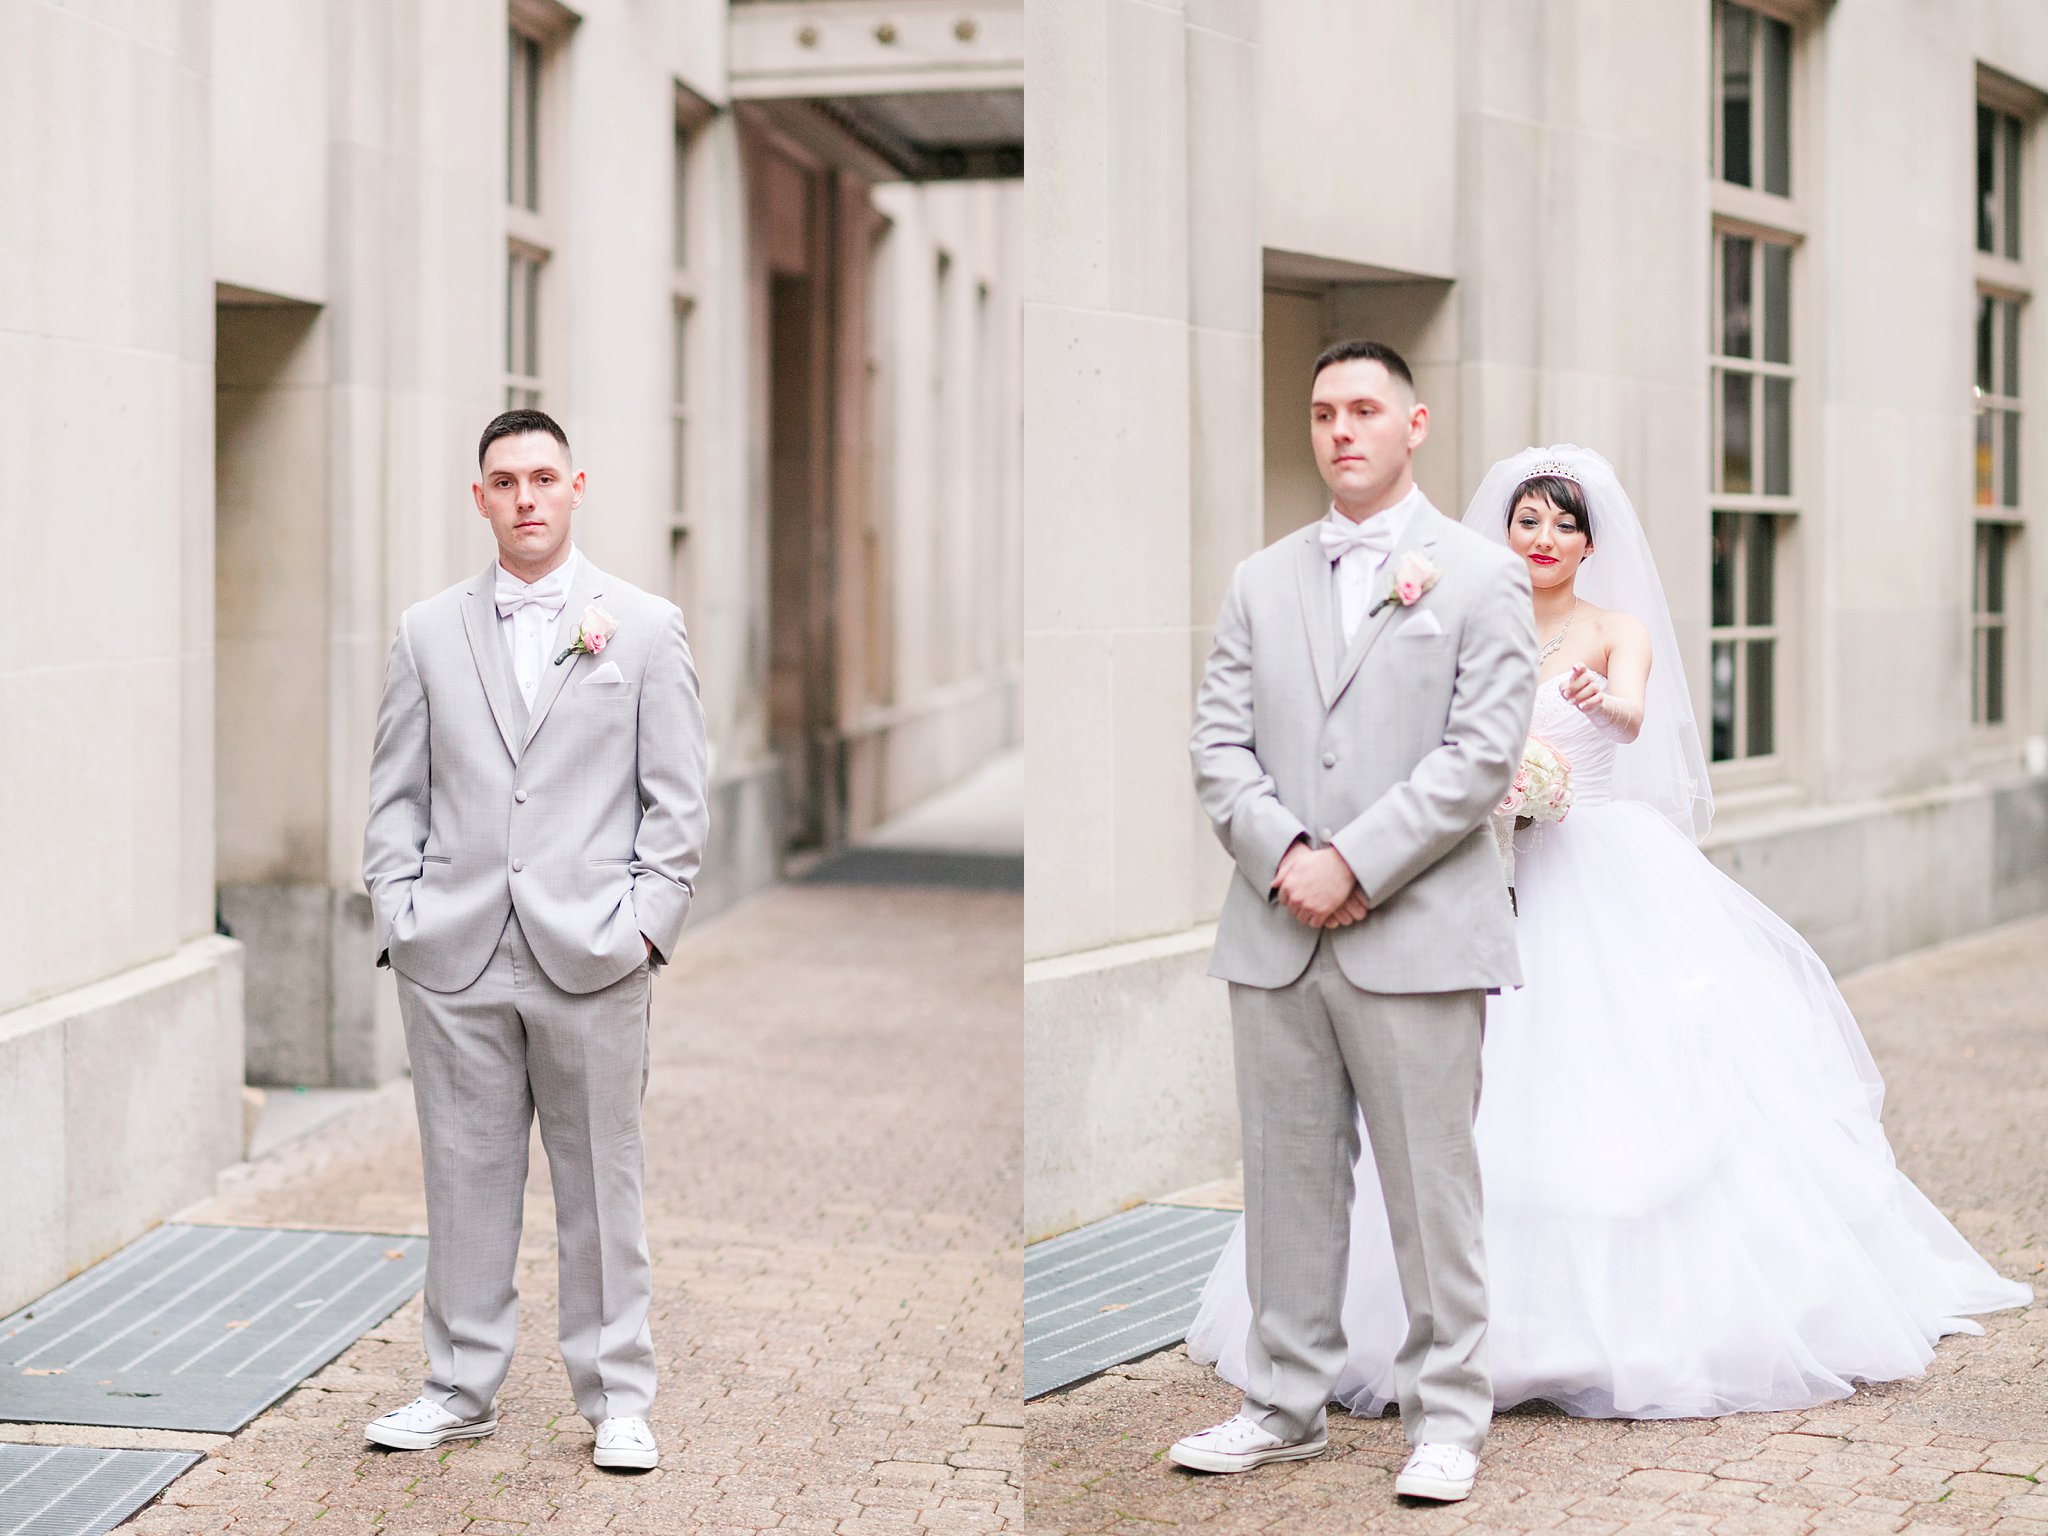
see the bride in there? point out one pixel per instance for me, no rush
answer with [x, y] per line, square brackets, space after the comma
[1691, 1207]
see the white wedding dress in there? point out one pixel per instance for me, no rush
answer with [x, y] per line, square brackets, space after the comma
[1691, 1207]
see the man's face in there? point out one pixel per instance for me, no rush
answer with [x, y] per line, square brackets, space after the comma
[1365, 426]
[527, 493]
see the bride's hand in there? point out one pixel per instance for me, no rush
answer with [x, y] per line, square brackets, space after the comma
[1617, 719]
[1585, 689]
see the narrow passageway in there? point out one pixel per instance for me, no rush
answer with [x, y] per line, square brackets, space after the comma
[834, 1146]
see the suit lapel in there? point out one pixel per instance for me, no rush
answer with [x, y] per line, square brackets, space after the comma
[1421, 530]
[583, 591]
[1318, 611]
[487, 646]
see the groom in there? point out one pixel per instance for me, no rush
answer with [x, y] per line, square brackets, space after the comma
[1364, 709]
[537, 814]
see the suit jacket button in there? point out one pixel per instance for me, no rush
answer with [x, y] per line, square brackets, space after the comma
[519, 795]
[518, 865]
[1329, 759]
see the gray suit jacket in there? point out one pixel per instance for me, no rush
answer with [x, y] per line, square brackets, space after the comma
[588, 817]
[1396, 752]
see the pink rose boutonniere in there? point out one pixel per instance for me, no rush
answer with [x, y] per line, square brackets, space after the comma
[594, 632]
[1414, 576]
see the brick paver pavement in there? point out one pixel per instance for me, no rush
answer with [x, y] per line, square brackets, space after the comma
[834, 1153]
[1962, 1035]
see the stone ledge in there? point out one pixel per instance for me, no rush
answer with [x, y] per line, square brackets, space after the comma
[119, 1103]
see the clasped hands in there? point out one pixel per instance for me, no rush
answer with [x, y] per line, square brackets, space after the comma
[1317, 887]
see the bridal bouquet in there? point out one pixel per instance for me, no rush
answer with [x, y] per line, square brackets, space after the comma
[1541, 791]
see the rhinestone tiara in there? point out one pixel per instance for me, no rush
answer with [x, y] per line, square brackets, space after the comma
[1557, 468]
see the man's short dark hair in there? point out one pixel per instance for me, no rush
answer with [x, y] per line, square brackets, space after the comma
[1367, 352]
[513, 423]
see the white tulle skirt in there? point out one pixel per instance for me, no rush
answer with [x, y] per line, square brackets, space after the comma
[1691, 1207]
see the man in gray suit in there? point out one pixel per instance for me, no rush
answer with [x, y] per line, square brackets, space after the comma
[537, 816]
[1364, 709]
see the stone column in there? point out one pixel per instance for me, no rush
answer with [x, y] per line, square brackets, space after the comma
[1141, 487]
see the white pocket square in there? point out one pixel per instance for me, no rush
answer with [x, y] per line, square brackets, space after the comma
[606, 674]
[1421, 625]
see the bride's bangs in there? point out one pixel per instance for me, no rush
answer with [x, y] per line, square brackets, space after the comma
[1563, 494]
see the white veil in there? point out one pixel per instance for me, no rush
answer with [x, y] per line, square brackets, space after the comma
[1664, 766]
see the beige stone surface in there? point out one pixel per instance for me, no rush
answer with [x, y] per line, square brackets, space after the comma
[1961, 1033]
[833, 1128]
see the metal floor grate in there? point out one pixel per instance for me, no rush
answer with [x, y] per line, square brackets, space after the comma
[72, 1490]
[199, 1327]
[921, 866]
[1115, 1290]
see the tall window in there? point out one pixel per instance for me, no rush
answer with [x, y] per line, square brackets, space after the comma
[692, 113]
[1988, 616]
[1753, 128]
[1998, 183]
[1753, 487]
[1997, 462]
[528, 243]
[1753, 381]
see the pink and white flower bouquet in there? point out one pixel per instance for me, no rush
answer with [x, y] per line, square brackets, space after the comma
[1541, 791]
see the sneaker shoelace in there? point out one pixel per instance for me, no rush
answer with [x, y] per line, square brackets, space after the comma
[1434, 1459]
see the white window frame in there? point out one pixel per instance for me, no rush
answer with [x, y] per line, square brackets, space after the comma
[2003, 279]
[531, 163]
[1763, 217]
[687, 213]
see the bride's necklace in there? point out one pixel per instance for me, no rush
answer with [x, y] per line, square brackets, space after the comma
[1563, 629]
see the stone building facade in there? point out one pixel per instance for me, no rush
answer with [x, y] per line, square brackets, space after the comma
[269, 269]
[1774, 258]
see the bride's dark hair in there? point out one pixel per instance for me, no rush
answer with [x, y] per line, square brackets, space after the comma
[1563, 494]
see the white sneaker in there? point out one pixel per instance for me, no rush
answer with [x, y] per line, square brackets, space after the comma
[625, 1443]
[421, 1425]
[1438, 1471]
[1238, 1445]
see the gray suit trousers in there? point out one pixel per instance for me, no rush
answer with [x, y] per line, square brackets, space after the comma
[1310, 1055]
[484, 1061]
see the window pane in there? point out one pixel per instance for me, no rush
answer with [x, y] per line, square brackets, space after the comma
[1987, 308]
[1994, 676]
[1987, 157]
[1722, 675]
[678, 443]
[511, 314]
[1760, 574]
[1725, 529]
[2009, 467]
[1994, 569]
[681, 253]
[530, 59]
[1737, 44]
[679, 386]
[1777, 303]
[1777, 437]
[2009, 347]
[2009, 137]
[514, 115]
[1980, 567]
[1736, 433]
[1761, 741]
[1777, 107]
[1984, 458]
[1737, 313]
[532, 359]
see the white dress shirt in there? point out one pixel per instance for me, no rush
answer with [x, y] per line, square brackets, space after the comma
[531, 628]
[1357, 573]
